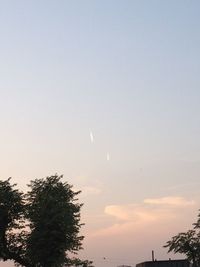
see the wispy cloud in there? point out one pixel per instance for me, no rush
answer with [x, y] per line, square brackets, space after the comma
[90, 190]
[151, 211]
[136, 213]
[108, 156]
[172, 201]
[91, 137]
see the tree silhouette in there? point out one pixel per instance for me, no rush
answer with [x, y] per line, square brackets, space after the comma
[187, 243]
[40, 228]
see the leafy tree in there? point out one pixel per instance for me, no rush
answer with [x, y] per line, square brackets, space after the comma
[40, 228]
[187, 243]
[11, 222]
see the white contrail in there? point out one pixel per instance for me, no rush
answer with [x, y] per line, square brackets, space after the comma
[108, 156]
[91, 137]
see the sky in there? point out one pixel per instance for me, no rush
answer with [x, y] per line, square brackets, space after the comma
[106, 93]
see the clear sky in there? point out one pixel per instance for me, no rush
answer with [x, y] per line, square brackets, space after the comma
[107, 93]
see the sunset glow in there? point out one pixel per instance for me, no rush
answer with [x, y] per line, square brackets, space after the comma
[106, 93]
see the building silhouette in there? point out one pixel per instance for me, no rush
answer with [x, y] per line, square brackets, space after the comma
[164, 263]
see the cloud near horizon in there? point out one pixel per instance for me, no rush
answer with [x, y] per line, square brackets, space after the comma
[90, 190]
[172, 201]
[152, 211]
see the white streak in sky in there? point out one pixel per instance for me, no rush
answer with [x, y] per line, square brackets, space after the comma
[91, 137]
[108, 156]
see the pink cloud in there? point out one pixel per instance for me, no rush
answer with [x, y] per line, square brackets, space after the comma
[152, 212]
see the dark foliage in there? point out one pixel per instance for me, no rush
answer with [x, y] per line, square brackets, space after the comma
[188, 244]
[40, 228]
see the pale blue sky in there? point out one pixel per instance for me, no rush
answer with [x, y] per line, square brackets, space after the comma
[127, 71]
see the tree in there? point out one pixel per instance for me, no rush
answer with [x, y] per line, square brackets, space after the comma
[11, 215]
[40, 228]
[188, 244]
